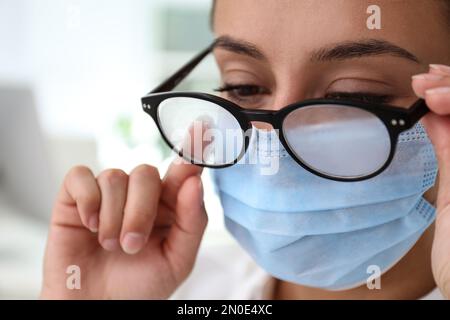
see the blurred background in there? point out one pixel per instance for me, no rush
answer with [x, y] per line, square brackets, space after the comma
[71, 76]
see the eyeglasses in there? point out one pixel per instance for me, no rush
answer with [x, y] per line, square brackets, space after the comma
[341, 140]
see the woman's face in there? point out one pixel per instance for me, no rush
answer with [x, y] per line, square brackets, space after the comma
[285, 51]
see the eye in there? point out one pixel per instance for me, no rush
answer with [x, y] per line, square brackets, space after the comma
[361, 97]
[243, 93]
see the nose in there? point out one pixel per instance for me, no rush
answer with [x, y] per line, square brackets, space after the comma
[292, 86]
[287, 93]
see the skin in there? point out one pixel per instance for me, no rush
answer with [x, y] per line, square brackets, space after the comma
[93, 214]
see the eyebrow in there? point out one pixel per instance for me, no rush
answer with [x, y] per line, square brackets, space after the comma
[239, 47]
[359, 49]
[338, 51]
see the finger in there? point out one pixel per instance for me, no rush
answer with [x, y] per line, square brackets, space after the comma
[144, 188]
[441, 243]
[438, 100]
[440, 69]
[184, 238]
[113, 187]
[175, 176]
[79, 190]
[443, 198]
[194, 146]
[195, 143]
[423, 82]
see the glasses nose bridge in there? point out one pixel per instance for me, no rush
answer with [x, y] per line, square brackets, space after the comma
[261, 116]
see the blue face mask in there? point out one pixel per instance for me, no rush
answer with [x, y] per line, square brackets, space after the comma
[321, 233]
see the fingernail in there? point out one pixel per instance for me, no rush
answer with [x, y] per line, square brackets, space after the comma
[133, 242]
[93, 223]
[440, 67]
[428, 76]
[110, 244]
[442, 90]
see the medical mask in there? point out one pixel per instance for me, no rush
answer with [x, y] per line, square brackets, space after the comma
[322, 233]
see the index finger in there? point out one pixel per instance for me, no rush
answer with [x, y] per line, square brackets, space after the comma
[81, 195]
[179, 170]
[175, 176]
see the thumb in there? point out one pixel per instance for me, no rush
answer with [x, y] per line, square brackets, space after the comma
[441, 244]
[183, 240]
[178, 172]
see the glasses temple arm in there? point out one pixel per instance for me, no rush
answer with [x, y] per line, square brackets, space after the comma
[417, 111]
[171, 82]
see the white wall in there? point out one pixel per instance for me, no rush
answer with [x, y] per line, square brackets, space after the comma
[85, 59]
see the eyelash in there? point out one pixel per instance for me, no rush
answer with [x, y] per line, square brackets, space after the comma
[233, 89]
[233, 92]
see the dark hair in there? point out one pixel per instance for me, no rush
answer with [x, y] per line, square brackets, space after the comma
[444, 3]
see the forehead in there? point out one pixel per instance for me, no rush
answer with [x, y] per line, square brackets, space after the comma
[282, 27]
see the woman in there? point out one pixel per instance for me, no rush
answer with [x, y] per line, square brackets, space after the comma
[137, 235]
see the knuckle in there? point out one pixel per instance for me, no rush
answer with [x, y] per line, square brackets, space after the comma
[113, 177]
[78, 171]
[147, 171]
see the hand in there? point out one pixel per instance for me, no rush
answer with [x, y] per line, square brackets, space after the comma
[148, 234]
[434, 87]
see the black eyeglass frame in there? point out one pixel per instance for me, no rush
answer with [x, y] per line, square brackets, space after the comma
[396, 119]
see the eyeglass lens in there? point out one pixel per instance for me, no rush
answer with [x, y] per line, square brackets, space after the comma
[336, 140]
